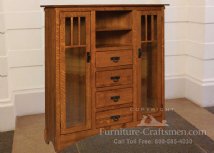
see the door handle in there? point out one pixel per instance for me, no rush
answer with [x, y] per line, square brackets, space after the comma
[88, 57]
[140, 52]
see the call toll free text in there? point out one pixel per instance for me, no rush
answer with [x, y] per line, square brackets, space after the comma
[131, 141]
[152, 141]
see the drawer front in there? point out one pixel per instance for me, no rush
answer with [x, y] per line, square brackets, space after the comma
[113, 78]
[113, 97]
[113, 117]
[113, 58]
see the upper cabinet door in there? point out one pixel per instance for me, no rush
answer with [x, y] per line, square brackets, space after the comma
[74, 78]
[150, 63]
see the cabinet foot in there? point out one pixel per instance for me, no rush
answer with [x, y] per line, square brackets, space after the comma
[46, 137]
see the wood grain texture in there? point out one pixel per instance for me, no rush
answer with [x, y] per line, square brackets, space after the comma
[113, 78]
[93, 67]
[113, 97]
[106, 118]
[63, 74]
[107, 5]
[113, 58]
[113, 72]
[50, 75]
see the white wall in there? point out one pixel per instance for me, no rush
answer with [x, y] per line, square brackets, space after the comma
[21, 60]
[199, 52]
[176, 23]
[189, 55]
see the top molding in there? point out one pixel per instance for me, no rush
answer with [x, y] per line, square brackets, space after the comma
[105, 5]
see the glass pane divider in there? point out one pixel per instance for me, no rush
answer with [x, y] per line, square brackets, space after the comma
[152, 28]
[146, 28]
[79, 24]
[72, 29]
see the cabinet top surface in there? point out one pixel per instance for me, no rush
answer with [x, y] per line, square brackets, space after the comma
[105, 5]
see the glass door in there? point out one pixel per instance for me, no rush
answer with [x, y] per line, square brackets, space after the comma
[150, 55]
[75, 71]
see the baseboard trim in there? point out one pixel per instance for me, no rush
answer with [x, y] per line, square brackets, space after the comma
[174, 86]
[199, 93]
[29, 101]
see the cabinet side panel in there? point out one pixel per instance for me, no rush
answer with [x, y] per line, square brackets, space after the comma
[50, 75]
[163, 61]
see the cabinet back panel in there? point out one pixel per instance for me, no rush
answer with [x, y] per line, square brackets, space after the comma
[113, 19]
[113, 38]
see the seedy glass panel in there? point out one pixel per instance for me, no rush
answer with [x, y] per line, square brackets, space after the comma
[75, 86]
[149, 66]
[149, 76]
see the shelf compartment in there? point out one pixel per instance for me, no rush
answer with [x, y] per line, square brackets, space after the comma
[113, 20]
[114, 40]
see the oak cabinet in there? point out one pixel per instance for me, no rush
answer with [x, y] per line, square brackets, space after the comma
[104, 68]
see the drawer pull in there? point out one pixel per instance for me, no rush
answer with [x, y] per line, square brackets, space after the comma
[115, 98]
[115, 78]
[115, 117]
[115, 59]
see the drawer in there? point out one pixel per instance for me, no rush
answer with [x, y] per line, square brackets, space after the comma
[113, 117]
[113, 78]
[113, 97]
[113, 58]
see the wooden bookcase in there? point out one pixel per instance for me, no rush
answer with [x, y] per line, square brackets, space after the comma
[104, 68]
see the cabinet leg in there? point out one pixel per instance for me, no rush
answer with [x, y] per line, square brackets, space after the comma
[46, 137]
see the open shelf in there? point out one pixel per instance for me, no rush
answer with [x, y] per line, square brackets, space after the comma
[113, 30]
[113, 20]
[113, 39]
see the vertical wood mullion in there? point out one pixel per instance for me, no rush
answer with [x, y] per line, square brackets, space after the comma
[79, 30]
[146, 28]
[72, 33]
[152, 28]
